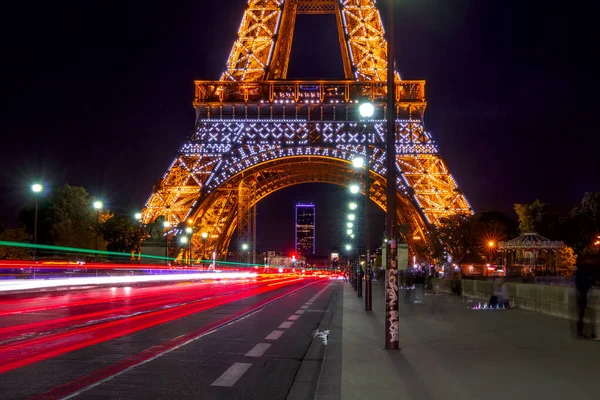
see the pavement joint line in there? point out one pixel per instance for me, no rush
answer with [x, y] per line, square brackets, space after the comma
[258, 350]
[231, 376]
[293, 317]
[274, 335]
[300, 312]
[286, 324]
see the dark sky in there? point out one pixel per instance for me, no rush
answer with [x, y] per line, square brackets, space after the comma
[99, 94]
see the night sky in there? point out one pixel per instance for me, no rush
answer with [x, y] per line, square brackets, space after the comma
[99, 94]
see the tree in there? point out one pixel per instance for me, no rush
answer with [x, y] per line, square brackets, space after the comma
[73, 218]
[582, 225]
[531, 216]
[454, 235]
[122, 234]
[566, 260]
[14, 253]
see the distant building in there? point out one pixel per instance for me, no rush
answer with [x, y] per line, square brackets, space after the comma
[305, 229]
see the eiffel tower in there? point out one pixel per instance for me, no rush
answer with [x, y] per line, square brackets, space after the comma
[256, 132]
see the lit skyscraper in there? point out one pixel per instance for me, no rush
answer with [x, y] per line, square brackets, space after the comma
[305, 229]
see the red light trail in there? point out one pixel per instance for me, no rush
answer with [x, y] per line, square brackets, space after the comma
[104, 314]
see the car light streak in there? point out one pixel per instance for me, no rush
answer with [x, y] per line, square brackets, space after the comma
[31, 350]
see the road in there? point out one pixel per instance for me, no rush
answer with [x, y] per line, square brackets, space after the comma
[208, 340]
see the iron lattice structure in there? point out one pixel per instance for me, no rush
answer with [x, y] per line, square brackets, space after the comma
[256, 132]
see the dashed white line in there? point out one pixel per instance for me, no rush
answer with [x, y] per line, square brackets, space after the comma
[274, 335]
[231, 376]
[304, 307]
[258, 350]
[286, 324]
[293, 317]
[300, 312]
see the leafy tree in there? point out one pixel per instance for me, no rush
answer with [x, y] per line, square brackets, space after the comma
[566, 260]
[122, 234]
[14, 253]
[73, 218]
[454, 234]
[582, 225]
[531, 216]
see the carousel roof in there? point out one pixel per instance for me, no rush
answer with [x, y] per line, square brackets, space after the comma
[530, 241]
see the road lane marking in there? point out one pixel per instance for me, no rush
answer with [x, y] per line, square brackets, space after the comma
[231, 376]
[304, 307]
[75, 388]
[293, 317]
[286, 324]
[258, 350]
[274, 335]
[300, 312]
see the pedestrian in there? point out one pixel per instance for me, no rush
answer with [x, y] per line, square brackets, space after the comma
[583, 284]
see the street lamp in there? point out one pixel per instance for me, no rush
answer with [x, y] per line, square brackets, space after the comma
[204, 236]
[366, 111]
[244, 250]
[349, 232]
[98, 205]
[351, 217]
[352, 206]
[166, 225]
[358, 162]
[138, 216]
[354, 189]
[349, 224]
[36, 188]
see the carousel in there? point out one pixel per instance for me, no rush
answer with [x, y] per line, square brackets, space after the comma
[530, 255]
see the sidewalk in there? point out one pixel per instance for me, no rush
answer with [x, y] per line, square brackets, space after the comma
[458, 353]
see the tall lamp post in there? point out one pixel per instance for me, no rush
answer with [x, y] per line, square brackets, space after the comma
[98, 205]
[166, 225]
[392, 327]
[204, 236]
[189, 230]
[366, 111]
[244, 251]
[36, 188]
[184, 241]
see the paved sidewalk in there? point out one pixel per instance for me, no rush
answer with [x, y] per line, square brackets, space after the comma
[456, 353]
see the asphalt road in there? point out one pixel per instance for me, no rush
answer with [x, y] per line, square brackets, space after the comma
[211, 340]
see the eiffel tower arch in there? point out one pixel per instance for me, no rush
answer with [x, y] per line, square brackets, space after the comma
[256, 132]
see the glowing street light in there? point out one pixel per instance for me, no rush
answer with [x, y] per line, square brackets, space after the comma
[366, 110]
[166, 224]
[358, 162]
[138, 216]
[189, 229]
[36, 188]
[352, 206]
[98, 205]
[183, 239]
[354, 189]
[349, 224]
[351, 217]
[348, 247]
[204, 236]
[491, 244]
[349, 232]
[245, 246]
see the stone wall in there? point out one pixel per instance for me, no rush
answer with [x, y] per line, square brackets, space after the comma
[558, 301]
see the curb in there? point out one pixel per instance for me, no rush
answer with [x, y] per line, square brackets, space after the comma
[308, 375]
[329, 384]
